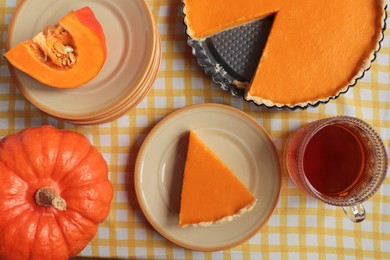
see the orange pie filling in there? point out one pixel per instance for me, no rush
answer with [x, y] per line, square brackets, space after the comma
[211, 193]
[315, 50]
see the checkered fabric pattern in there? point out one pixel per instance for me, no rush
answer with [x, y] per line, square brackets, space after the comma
[300, 228]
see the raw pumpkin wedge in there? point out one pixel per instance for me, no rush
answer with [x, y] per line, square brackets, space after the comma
[65, 55]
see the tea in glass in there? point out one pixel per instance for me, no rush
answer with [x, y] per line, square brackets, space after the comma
[341, 161]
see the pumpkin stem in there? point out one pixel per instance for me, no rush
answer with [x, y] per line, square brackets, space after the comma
[47, 197]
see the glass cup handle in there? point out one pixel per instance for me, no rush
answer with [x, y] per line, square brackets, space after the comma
[355, 213]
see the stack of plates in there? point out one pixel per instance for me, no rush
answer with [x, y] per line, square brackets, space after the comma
[133, 59]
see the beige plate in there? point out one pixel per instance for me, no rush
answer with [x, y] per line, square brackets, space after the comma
[239, 141]
[131, 39]
[129, 103]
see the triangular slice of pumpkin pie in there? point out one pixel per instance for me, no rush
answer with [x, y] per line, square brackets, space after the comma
[211, 193]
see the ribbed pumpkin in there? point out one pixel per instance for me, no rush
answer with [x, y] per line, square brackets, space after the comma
[54, 193]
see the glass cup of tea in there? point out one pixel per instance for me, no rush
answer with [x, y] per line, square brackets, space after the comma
[341, 161]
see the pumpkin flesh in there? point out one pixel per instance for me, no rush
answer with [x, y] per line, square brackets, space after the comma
[66, 55]
[66, 162]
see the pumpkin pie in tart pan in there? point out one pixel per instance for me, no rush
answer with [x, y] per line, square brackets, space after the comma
[133, 57]
[285, 54]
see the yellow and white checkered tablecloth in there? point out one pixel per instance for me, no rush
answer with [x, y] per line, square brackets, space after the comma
[300, 228]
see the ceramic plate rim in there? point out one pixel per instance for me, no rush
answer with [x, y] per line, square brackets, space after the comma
[128, 103]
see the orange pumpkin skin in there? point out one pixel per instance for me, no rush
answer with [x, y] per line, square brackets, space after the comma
[65, 162]
[44, 59]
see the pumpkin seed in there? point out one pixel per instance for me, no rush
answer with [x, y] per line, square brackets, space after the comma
[69, 49]
[59, 47]
[72, 57]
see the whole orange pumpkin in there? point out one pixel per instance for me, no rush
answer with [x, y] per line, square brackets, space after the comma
[54, 193]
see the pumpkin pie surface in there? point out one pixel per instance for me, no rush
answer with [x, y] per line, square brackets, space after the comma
[211, 193]
[315, 50]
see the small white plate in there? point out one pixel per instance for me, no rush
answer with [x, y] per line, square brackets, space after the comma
[130, 35]
[239, 141]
